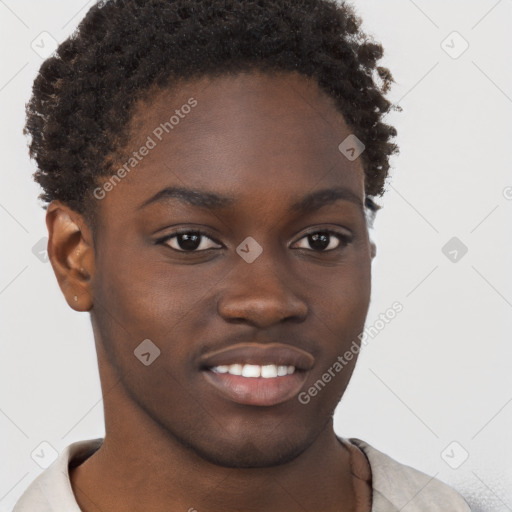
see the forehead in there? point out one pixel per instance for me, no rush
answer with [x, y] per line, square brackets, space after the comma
[290, 105]
[235, 133]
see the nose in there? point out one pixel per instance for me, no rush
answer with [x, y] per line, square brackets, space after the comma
[261, 294]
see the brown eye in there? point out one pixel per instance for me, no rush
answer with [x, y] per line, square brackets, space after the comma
[325, 241]
[189, 241]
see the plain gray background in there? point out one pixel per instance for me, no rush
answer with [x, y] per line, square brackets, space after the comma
[434, 388]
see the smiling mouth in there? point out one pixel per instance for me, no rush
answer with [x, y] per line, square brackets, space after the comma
[256, 374]
[268, 371]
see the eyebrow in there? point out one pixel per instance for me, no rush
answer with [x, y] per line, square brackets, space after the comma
[209, 200]
[191, 196]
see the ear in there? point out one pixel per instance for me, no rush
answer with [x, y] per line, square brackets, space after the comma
[373, 249]
[71, 254]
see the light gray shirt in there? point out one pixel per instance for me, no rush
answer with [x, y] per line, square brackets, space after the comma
[396, 487]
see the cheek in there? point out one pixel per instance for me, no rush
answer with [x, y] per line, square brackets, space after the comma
[337, 317]
[141, 297]
[339, 302]
[146, 290]
[138, 301]
[342, 292]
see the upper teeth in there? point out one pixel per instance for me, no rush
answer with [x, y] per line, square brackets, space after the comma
[267, 371]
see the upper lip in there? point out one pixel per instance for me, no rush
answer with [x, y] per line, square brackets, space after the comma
[259, 354]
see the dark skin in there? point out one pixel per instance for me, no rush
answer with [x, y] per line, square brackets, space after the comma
[172, 442]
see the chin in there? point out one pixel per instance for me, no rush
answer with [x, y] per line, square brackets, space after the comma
[251, 454]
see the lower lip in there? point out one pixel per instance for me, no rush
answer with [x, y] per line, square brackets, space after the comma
[256, 390]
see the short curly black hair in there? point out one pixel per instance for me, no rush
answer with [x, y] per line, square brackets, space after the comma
[84, 95]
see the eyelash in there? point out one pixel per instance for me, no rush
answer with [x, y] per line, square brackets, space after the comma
[343, 238]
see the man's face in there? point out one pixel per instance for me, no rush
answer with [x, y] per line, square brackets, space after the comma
[266, 143]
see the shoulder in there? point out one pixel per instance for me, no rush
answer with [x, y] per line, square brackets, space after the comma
[51, 490]
[396, 486]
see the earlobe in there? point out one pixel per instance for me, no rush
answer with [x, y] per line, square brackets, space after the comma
[71, 254]
[373, 249]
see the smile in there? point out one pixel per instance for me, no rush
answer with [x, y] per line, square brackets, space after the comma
[257, 374]
[268, 371]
